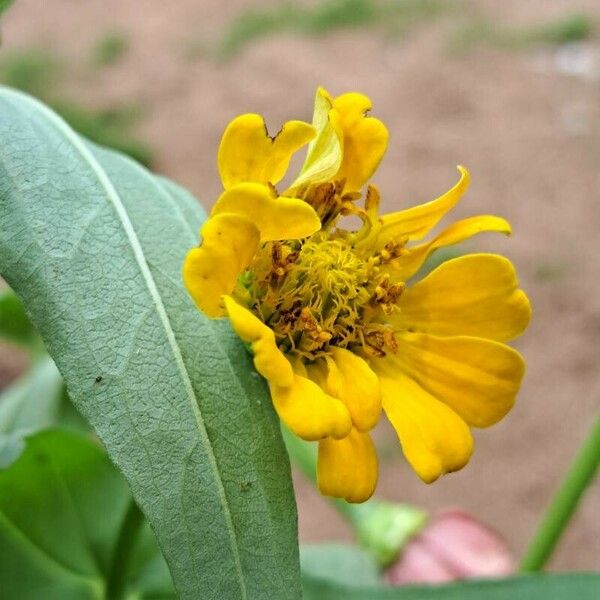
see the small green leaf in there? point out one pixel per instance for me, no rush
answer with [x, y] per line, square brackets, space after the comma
[585, 586]
[62, 505]
[14, 325]
[93, 244]
[340, 563]
[36, 401]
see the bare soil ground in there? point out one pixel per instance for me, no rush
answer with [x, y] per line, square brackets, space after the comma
[529, 134]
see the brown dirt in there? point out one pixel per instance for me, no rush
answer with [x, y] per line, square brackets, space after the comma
[530, 136]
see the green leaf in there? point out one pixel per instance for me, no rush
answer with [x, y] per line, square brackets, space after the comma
[36, 401]
[26, 406]
[93, 245]
[585, 586]
[4, 4]
[344, 564]
[14, 325]
[62, 505]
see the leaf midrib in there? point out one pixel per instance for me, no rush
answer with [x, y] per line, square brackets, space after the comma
[114, 198]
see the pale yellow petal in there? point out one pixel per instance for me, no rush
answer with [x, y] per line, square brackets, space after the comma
[350, 379]
[477, 378]
[474, 295]
[229, 243]
[365, 140]
[416, 222]
[413, 258]
[269, 361]
[434, 439]
[324, 155]
[248, 153]
[309, 412]
[347, 468]
[277, 218]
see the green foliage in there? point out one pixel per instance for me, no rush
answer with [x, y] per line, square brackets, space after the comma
[325, 16]
[109, 49]
[40, 74]
[549, 272]
[15, 327]
[35, 72]
[62, 508]
[36, 401]
[570, 28]
[544, 587]
[93, 245]
[4, 4]
[339, 563]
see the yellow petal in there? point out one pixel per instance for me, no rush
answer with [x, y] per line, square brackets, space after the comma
[269, 361]
[229, 243]
[347, 468]
[309, 412]
[350, 379]
[248, 153]
[475, 295]
[365, 140]
[277, 218]
[416, 222]
[477, 378]
[412, 260]
[324, 156]
[434, 439]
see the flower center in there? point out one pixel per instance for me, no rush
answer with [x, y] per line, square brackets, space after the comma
[323, 291]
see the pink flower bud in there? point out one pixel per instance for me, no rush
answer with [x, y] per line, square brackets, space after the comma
[453, 546]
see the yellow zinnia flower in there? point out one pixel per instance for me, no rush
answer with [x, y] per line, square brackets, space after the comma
[327, 312]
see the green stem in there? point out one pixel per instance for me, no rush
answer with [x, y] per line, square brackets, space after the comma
[565, 501]
[119, 568]
[382, 528]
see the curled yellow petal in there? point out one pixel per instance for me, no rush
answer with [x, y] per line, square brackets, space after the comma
[416, 222]
[269, 361]
[248, 153]
[474, 295]
[434, 439]
[350, 379]
[324, 155]
[229, 243]
[309, 412]
[277, 218]
[413, 258]
[477, 378]
[347, 468]
[365, 140]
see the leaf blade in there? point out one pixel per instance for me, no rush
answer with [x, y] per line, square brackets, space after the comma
[140, 362]
[583, 586]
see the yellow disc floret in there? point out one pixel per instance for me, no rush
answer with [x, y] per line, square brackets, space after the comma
[323, 292]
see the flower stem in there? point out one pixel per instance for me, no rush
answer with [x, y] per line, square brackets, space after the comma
[119, 568]
[382, 528]
[565, 501]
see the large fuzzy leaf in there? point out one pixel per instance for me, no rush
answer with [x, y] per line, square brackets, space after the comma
[93, 245]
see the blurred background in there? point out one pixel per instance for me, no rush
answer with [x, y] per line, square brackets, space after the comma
[510, 89]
